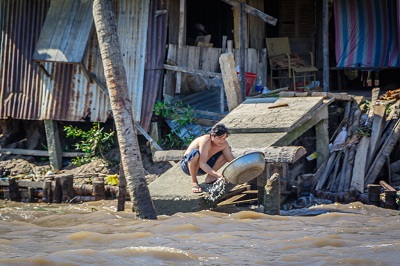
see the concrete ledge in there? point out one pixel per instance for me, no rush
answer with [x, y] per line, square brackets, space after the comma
[172, 192]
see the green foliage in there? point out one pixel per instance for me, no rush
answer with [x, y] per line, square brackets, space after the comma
[93, 142]
[182, 116]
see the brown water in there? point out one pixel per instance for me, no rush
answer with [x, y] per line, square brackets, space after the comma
[96, 234]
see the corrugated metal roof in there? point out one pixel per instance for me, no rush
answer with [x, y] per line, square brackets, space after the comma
[65, 32]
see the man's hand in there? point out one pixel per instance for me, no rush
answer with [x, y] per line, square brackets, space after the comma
[223, 178]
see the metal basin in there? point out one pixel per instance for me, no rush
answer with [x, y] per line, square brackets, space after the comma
[244, 168]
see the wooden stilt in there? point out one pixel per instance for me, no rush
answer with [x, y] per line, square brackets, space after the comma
[57, 192]
[53, 144]
[272, 199]
[67, 187]
[374, 192]
[98, 189]
[13, 190]
[47, 191]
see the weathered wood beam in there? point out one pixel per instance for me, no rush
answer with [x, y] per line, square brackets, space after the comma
[41, 153]
[254, 12]
[311, 120]
[192, 71]
[272, 197]
[53, 143]
[288, 154]
[388, 146]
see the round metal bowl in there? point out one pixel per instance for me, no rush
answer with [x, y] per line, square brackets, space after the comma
[244, 168]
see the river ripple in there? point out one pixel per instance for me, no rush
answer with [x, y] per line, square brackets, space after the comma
[95, 233]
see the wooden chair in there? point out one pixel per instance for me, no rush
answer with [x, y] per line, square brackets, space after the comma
[286, 65]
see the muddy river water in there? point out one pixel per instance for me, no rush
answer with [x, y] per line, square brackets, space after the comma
[95, 233]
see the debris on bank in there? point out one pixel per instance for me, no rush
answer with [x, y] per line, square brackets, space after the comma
[363, 164]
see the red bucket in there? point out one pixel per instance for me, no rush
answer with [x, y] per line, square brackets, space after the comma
[250, 77]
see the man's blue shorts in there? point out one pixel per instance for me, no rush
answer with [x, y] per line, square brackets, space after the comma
[188, 157]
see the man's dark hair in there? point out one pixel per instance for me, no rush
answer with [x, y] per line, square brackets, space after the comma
[219, 130]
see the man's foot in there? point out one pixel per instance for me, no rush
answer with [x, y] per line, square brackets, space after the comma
[196, 188]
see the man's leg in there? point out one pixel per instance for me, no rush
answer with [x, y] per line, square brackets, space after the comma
[193, 166]
[218, 164]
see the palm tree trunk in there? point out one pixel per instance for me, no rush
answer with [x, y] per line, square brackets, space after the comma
[115, 74]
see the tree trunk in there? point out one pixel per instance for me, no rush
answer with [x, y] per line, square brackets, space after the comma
[106, 28]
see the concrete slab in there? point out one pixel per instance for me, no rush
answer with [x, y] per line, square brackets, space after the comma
[172, 193]
[260, 116]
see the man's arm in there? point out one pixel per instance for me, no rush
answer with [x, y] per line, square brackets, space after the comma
[227, 152]
[204, 148]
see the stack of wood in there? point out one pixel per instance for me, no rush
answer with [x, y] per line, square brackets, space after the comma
[365, 155]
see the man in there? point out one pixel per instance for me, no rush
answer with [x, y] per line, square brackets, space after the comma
[205, 155]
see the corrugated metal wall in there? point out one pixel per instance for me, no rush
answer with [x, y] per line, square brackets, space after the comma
[133, 19]
[155, 57]
[20, 79]
[25, 92]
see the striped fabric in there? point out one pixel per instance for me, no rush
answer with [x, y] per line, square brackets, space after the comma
[367, 33]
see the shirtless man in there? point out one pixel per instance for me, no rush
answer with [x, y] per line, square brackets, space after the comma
[207, 154]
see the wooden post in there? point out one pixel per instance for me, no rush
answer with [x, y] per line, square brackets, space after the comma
[57, 190]
[98, 189]
[53, 143]
[47, 191]
[31, 193]
[322, 141]
[374, 192]
[272, 199]
[325, 44]
[388, 200]
[67, 187]
[181, 40]
[242, 49]
[13, 190]
[261, 182]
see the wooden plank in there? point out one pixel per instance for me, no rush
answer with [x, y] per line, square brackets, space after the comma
[230, 79]
[388, 146]
[357, 181]
[192, 71]
[214, 64]
[250, 191]
[374, 98]
[192, 63]
[41, 153]
[181, 38]
[231, 200]
[376, 131]
[386, 186]
[257, 32]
